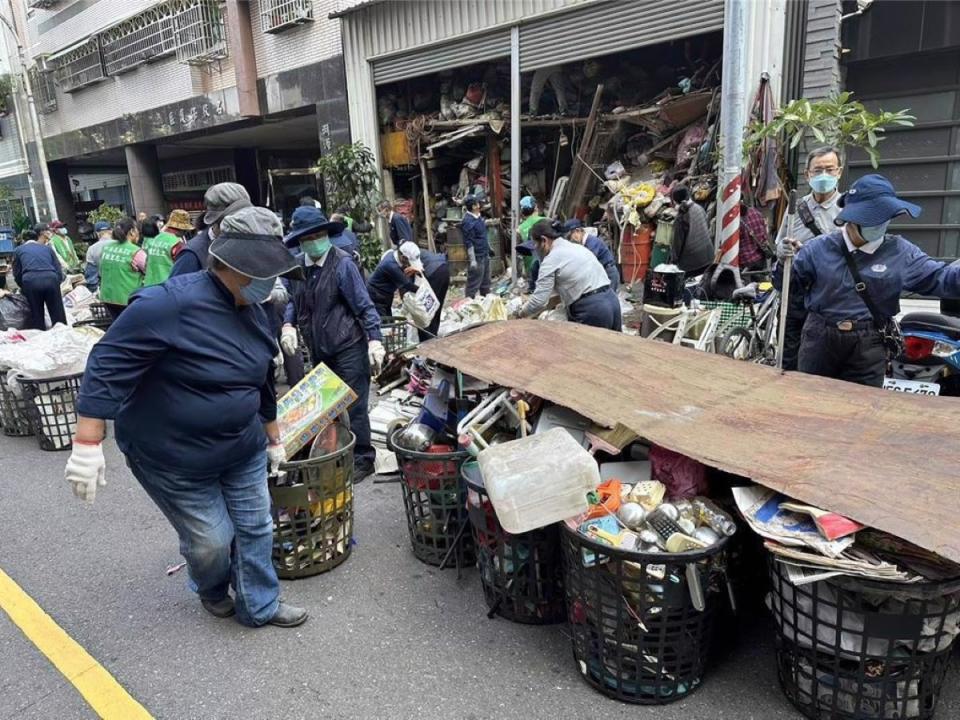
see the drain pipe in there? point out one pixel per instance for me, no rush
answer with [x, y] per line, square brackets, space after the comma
[514, 147]
[732, 117]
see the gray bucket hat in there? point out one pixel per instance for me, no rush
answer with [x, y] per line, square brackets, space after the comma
[251, 242]
[222, 199]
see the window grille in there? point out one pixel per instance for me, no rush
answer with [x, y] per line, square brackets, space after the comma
[41, 4]
[44, 91]
[80, 67]
[140, 39]
[278, 15]
[190, 180]
[199, 31]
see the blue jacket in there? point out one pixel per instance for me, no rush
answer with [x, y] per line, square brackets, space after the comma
[432, 262]
[897, 266]
[400, 230]
[599, 248]
[346, 241]
[193, 256]
[387, 278]
[186, 374]
[332, 307]
[474, 232]
[34, 262]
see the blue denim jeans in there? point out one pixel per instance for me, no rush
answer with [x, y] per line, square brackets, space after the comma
[225, 529]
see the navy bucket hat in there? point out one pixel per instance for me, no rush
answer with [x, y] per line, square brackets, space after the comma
[871, 201]
[308, 220]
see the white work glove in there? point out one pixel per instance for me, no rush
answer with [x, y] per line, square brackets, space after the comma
[377, 354]
[276, 454]
[787, 247]
[471, 253]
[279, 294]
[85, 470]
[289, 340]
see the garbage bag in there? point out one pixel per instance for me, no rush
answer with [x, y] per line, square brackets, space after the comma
[14, 311]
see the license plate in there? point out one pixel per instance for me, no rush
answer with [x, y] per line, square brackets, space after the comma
[913, 387]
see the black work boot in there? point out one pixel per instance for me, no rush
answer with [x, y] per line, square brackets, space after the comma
[221, 608]
[288, 616]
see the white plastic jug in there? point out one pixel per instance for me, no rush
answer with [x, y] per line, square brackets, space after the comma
[539, 480]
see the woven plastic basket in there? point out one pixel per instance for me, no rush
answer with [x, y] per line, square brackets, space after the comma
[51, 406]
[13, 411]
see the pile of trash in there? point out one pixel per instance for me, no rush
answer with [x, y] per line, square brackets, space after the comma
[62, 350]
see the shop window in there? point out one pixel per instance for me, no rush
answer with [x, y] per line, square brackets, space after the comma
[81, 66]
[140, 39]
[278, 15]
[44, 91]
[199, 30]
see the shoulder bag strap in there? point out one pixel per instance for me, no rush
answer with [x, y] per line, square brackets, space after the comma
[879, 320]
[808, 220]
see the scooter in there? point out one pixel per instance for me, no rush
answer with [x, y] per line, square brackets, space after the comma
[930, 361]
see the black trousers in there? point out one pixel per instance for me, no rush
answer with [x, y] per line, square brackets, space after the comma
[43, 290]
[856, 355]
[793, 329]
[439, 281]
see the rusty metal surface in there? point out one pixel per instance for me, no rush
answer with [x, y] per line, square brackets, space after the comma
[885, 459]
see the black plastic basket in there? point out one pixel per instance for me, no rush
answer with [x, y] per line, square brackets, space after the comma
[522, 575]
[312, 508]
[13, 411]
[434, 497]
[100, 317]
[637, 635]
[394, 332]
[52, 409]
[850, 649]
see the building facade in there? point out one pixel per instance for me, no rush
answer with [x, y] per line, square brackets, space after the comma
[145, 103]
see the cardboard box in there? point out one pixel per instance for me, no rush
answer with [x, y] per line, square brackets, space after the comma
[310, 406]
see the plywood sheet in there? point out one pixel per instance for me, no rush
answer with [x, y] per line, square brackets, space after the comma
[885, 459]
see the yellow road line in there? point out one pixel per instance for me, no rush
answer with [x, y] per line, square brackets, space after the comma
[104, 694]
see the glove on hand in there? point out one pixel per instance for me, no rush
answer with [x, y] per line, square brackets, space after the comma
[85, 470]
[377, 354]
[276, 454]
[289, 340]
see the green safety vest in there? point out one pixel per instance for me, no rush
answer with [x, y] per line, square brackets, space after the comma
[524, 228]
[118, 279]
[349, 221]
[63, 246]
[159, 257]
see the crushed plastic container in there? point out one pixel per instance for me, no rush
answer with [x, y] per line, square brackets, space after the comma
[539, 480]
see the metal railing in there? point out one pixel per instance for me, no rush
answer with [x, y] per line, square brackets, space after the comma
[140, 39]
[277, 15]
[81, 66]
[201, 34]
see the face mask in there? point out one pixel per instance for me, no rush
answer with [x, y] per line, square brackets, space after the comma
[257, 290]
[316, 249]
[873, 232]
[823, 184]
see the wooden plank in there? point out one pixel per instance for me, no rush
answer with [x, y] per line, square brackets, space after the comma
[885, 459]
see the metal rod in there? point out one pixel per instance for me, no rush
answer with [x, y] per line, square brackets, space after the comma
[785, 287]
[428, 219]
[732, 116]
[514, 147]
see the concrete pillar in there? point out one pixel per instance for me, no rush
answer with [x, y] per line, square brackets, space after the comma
[244, 60]
[146, 188]
[63, 197]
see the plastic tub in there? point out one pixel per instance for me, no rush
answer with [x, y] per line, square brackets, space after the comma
[312, 510]
[434, 498]
[850, 649]
[521, 575]
[637, 636]
[51, 406]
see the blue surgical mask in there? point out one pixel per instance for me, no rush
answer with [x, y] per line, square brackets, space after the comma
[316, 248]
[257, 290]
[823, 183]
[873, 232]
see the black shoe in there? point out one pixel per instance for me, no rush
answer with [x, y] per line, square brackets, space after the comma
[221, 609]
[288, 616]
[360, 473]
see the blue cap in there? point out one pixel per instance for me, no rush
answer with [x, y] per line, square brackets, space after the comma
[570, 225]
[307, 220]
[101, 225]
[470, 200]
[871, 201]
[528, 202]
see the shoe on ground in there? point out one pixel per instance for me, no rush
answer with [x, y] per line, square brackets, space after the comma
[221, 608]
[360, 473]
[289, 616]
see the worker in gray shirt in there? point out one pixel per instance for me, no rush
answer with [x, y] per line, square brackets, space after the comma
[815, 214]
[577, 277]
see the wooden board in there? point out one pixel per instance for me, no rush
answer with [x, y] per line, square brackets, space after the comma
[885, 459]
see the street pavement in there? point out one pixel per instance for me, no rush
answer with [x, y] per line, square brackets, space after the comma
[388, 636]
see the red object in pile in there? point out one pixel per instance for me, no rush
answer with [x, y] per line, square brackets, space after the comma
[430, 474]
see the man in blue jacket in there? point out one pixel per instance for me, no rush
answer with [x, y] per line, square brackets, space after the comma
[397, 271]
[338, 321]
[474, 231]
[586, 236]
[843, 336]
[38, 274]
[400, 230]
